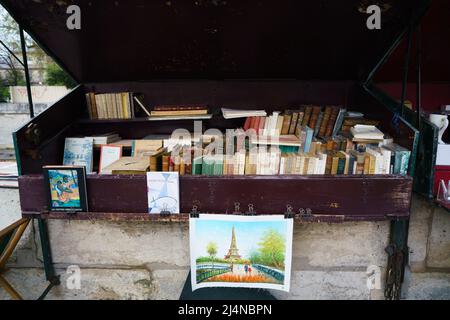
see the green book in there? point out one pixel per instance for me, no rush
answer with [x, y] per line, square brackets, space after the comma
[197, 165]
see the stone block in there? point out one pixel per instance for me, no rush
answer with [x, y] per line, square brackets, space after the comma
[439, 240]
[119, 243]
[340, 245]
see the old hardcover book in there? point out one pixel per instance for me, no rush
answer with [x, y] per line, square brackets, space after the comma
[178, 112]
[156, 160]
[247, 123]
[293, 123]
[286, 122]
[129, 165]
[318, 123]
[325, 120]
[314, 116]
[148, 147]
[342, 162]
[401, 156]
[301, 114]
[339, 119]
[278, 125]
[307, 116]
[262, 123]
[334, 163]
[331, 121]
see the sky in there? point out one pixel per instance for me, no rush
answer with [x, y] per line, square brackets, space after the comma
[248, 234]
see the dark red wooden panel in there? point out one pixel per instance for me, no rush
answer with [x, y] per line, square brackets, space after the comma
[360, 196]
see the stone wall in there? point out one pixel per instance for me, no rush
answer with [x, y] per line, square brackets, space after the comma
[130, 260]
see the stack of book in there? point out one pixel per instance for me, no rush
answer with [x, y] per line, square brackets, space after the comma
[237, 113]
[179, 112]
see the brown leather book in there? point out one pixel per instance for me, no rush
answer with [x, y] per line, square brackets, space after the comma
[286, 123]
[314, 116]
[293, 124]
[325, 120]
[165, 162]
[298, 127]
[331, 121]
[307, 115]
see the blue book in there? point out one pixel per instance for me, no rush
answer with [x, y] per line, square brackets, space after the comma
[78, 152]
[307, 135]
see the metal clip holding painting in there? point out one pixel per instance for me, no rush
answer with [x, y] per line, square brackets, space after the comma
[237, 208]
[289, 214]
[306, 214]
[194, 212]
[251, 210]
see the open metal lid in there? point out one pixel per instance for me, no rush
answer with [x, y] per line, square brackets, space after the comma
[434, 46]
[123, 40]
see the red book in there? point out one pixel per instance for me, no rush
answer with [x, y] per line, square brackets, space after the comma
[252, 122]
[261, 125]
[257, 122]
[247, 123]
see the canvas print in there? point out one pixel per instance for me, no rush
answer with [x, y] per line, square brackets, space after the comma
[241, 251]
[163, 192]
[66, 187]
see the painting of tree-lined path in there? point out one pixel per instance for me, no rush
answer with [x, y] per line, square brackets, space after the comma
[240, 252]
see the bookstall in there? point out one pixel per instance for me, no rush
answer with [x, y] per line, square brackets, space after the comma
[265, 55]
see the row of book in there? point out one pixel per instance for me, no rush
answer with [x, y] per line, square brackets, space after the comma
[128, 105]
[113, 105]
[324, 121]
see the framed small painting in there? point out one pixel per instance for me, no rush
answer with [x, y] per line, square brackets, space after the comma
[66, 188]
[241, 251]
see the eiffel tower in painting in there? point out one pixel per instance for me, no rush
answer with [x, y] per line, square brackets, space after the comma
[233, 253]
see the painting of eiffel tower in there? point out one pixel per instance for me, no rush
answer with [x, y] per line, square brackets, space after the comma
[233, 252]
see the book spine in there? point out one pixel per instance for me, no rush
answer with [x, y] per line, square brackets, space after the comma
[307, 115]
[318, 123]
[314, 116]
[293, 123]
[331, 121]
[325, 120]
[286, 123]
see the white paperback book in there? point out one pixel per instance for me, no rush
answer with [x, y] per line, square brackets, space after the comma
[108, 155]
[163, 192]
